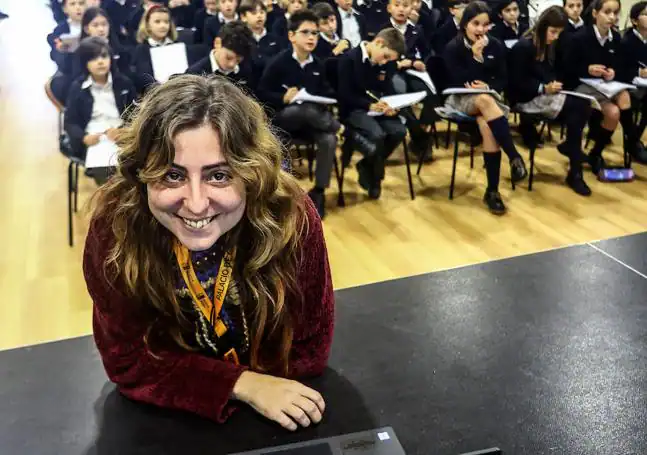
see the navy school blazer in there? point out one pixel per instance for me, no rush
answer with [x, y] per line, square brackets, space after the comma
[78, 108]
[417, 47]
[527, 74]
[374, 13]
[361, 22]
[461, 67]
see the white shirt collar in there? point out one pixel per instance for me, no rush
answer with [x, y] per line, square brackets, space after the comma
[310, 59]
[224, 20]
[516, 26]
[577, 24]
[346, 14]
[602, 40]
[469, 46]
[75, 28]
[401, 28]
[429, 3]
[456, 23]
[640, 37]
[211, 13]
[89, 82]
[215, 67]
[121, 2]
[334, 40]
[365, 55]
[261, 36]
[154, 43]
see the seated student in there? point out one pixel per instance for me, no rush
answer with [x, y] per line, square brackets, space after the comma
[364, 75]
[156, 29]
[280, 26]
[352, 24]
[449, 29]
[254, 14]
[58, 12]
[230, 56]
[292, 70]
[179, 205]
[535, 89]
[97, 99]
[374, 13]
[183, 12]
[414, 57]
[475, 61]
[508, 27]
[226, 14]
[201, 15]
[74, 10]
[574, 10]
[329, 43]
[274, 11]
[422, 17]
[634, 50]
[595, 52]
[135, 18]
[119, 12]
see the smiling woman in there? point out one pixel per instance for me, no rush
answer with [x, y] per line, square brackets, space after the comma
[207, 263]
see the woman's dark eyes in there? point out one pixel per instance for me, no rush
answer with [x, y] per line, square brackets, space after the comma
[216, 177]
[173, 176]
[219, 177]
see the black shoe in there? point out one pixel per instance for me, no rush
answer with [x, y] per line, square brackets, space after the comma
[319, 200]
[597, 163]
[518, 170]
[375, 191]
[494, 202]
[640, 153]
[577, 183]
[561, 148]
[365, 175]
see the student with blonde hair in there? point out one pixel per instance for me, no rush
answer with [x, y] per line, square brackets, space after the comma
[207, 263]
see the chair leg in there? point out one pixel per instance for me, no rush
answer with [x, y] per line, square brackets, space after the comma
[435, 133]
[471, 153]
[421, 159]
[562, 131]
[70, 188]
[451, 185]
[532, 167]
[76, 186]
[449, 132]
[340, 184]
[309, 156]
[405, 148]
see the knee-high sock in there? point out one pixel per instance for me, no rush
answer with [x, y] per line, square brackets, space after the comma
[492, 169]
[629, 129]
[575, 113]
[501, 131]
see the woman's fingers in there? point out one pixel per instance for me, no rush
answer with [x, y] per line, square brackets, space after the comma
[310, 408]
[313, 396]
[282, 419]
[298, 415]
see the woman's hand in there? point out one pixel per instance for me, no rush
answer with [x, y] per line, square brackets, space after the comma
[91, 139]
[553, 87]
[379, 106]
[597, 70]
[609, 74]
[419, 65]
[478, 47]
[287, 402]
[341, 47]
[113, 134]
[290, 94]
[479, 85]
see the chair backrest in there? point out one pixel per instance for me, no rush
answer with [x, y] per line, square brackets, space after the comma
[438, 72]
[186, 35]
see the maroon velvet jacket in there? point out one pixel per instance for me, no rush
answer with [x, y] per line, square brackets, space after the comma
[191, 381]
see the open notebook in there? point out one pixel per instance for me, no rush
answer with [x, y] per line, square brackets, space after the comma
[608, 89]
[400, 101]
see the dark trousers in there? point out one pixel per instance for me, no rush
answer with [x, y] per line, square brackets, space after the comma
[312, 122]
[386, 133]
[405, 83]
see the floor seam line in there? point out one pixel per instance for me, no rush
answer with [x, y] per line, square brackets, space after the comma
[617, 260]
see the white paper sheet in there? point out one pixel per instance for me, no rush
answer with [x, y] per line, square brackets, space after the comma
[400, 101]
[104, 154]
[608, 89]
[70, 41]
[470, 91]
[509, 43]
[303, 96]
[594, 102]
[169, 60]
[450, 112]
[424, 77]
[640, 82]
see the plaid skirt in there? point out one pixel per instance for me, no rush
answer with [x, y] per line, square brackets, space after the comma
[547, 105]
[465, 103]
[588, 90]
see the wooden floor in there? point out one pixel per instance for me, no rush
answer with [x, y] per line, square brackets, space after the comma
[43, 292]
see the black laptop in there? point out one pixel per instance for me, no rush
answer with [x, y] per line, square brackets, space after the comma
[382, 441]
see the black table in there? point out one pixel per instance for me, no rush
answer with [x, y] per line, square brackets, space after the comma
[539, 354]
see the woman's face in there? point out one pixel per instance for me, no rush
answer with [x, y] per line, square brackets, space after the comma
[607, 16]
[99, 26]
[552, 34]
[199, 199]
[159, 25]
[477, 27]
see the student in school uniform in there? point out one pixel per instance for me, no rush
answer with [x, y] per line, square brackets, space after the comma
[422, 17]
[634, 50]
[59, 53]
[508, 26]
[329, 44]
[475, 61]
[364, 75]
[274, 11]
[573, 9]
[135, 18]
[595, 52]
[183, 12]
[226, 13]
[290, 71]
[119, 11]
[230, 56]
[254, 14]
[534, 88]
[201, 15]
[351, 23]
[280, 26]
[414, 58]
[449, 30]
[374, 13]
[156, 29]
[97, 99]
